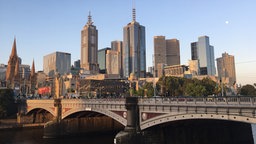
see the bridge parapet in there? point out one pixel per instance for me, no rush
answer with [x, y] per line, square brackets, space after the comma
[155, 111]
[218, 101]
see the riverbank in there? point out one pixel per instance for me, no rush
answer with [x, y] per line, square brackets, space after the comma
[12, 124]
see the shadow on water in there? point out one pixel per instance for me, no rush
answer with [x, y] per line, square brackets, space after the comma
[35, 136]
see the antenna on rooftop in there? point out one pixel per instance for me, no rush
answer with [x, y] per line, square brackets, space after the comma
[89, 19]
[133, 11]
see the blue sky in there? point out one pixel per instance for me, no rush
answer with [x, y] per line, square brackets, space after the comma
[42, 27]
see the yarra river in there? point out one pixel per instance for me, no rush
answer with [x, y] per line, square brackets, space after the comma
[35, 136]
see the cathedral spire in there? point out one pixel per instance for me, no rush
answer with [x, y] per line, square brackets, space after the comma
[17, 71]
[14, 50]
[33, 68]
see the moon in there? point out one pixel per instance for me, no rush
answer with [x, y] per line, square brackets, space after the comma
[227, 22]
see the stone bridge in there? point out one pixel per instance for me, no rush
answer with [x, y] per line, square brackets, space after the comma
[148, 112]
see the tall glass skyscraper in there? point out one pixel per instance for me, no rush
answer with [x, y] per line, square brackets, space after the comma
[89, 47]
[134, 49]
[204, 53]
[102, 59]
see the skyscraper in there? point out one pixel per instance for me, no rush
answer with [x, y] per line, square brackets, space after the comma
[57, 62]
[204, 52]
[118, 46]
[226, 69]
[166, 52]
[113, 62]
[102, 59]
[89, 47]
[134, 49]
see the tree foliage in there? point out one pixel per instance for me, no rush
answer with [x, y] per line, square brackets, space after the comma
[248, 90]
[7, 105]
[175, 86]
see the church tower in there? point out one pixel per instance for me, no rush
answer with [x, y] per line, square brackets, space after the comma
[12, 72]
[33, 79]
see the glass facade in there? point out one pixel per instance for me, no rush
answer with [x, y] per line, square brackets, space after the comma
[57, 62]
[204, 52]
[134, 53]
[102, 60]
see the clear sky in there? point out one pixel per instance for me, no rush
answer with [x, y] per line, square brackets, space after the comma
[42, 27]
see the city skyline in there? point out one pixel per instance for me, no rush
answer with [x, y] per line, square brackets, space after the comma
[45, 27]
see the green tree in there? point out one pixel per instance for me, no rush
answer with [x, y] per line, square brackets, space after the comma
[210, 86]
[248, 90]
[7, 103]
[193, 89]
[148, 89]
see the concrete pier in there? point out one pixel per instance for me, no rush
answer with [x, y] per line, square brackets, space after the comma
[131, 133]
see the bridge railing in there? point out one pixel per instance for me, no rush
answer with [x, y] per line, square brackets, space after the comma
[96, 101]
[229, 100]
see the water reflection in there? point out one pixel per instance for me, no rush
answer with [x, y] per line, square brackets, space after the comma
[35, 136]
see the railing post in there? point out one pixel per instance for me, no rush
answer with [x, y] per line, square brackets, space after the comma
[251, 99]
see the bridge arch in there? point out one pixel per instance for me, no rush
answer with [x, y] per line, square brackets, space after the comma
[108, 113]
[50, 110]
[169, 118]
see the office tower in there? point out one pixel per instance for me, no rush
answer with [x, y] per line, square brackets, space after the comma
[59, 62]
[166, 52]
[226, 69]
[113, 62]
[102, 59]
[204, 52]
[12, 71]
[134, 49]
[89, 47]
[194, 55]
[77, 64]
[118, 46]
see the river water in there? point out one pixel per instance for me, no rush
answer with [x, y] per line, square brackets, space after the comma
[35, 136]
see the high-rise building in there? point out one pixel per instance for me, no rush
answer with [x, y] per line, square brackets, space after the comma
[204, 52]
[118, 46]
[226, 69]
[59, 62]
[113, 62]
[134, 49]
[166, 52]
[89, 47]
[102, 59]
[194, 54]
[77, 64]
